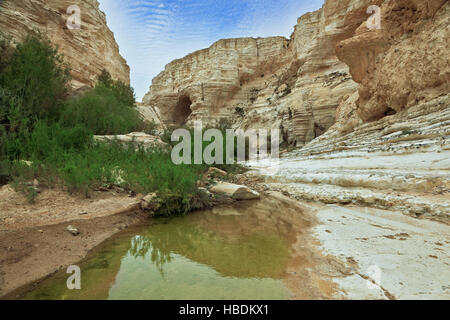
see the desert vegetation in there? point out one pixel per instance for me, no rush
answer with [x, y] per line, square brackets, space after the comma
[46, 133]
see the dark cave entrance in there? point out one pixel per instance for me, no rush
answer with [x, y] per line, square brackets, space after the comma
[182, 110]
[389, 112]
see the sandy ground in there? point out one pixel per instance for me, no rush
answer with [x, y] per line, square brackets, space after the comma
[33, 238]
[57, 206]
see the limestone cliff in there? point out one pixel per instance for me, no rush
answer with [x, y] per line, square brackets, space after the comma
[402, 64]
[294, 84]
[333, 68]
[390, 146]
[212, 82]
[87, 50]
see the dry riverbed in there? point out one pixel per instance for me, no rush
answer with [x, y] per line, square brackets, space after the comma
[34, 241]
[336, 251]
[390, 255]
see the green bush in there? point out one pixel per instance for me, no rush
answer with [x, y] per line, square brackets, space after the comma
[222, 126]
[45, 135]
[107, 109]
[33, 82]
[6, 51]
[46, 141]
[101, 112]
[121, 91]
[69, 157]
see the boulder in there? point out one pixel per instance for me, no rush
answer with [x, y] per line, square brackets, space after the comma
[74, 231]
[205, 191]
[150, 202]
[235, 191]
[215, 172]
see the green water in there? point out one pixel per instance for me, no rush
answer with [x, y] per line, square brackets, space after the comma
[215, 254]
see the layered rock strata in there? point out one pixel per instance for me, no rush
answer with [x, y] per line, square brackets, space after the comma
[333, 59]
[399, 163]
[403, 63]
[88, 50]
[293, 84]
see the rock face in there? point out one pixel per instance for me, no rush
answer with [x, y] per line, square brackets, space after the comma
[88, 50]
[403, 63]
[205, 82]
[333, 69]
[293, 84]
[389, 147]
[151, 115]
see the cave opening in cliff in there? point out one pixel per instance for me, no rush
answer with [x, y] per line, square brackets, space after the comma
[182, 110]
[390, 112]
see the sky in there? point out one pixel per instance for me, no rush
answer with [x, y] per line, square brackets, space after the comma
[152, 33]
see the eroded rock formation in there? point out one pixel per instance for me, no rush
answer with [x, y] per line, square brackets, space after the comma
[294, 84]
[88, 50]
[204, 83]
[403, 63]
[400, 162]
[333, 69]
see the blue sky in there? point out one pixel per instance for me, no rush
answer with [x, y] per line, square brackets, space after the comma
[151, 33]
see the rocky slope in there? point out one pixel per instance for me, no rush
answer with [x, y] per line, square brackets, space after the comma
[400, 163]
[404, 63]
[88, 50]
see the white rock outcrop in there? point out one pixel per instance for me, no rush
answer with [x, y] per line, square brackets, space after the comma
[235, 191]
[138, 138]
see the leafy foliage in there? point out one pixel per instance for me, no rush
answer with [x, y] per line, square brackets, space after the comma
[33, 84]
[47, 135]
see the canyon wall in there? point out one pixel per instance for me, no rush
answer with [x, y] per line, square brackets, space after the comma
[87, 50]
[403, 63]
[333, 70]
[390, 145]
[211, 83]
[294, 84]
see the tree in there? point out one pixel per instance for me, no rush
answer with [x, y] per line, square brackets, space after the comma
[33, 81]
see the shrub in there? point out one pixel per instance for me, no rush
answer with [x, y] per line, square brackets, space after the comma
[107, 109]
[6, 51]
[33, 82]
[46, 141]
[69, 157]
[101, 112]
[121, 91]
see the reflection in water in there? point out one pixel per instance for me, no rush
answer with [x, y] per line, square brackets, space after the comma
[216, 254]
[140, 246]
